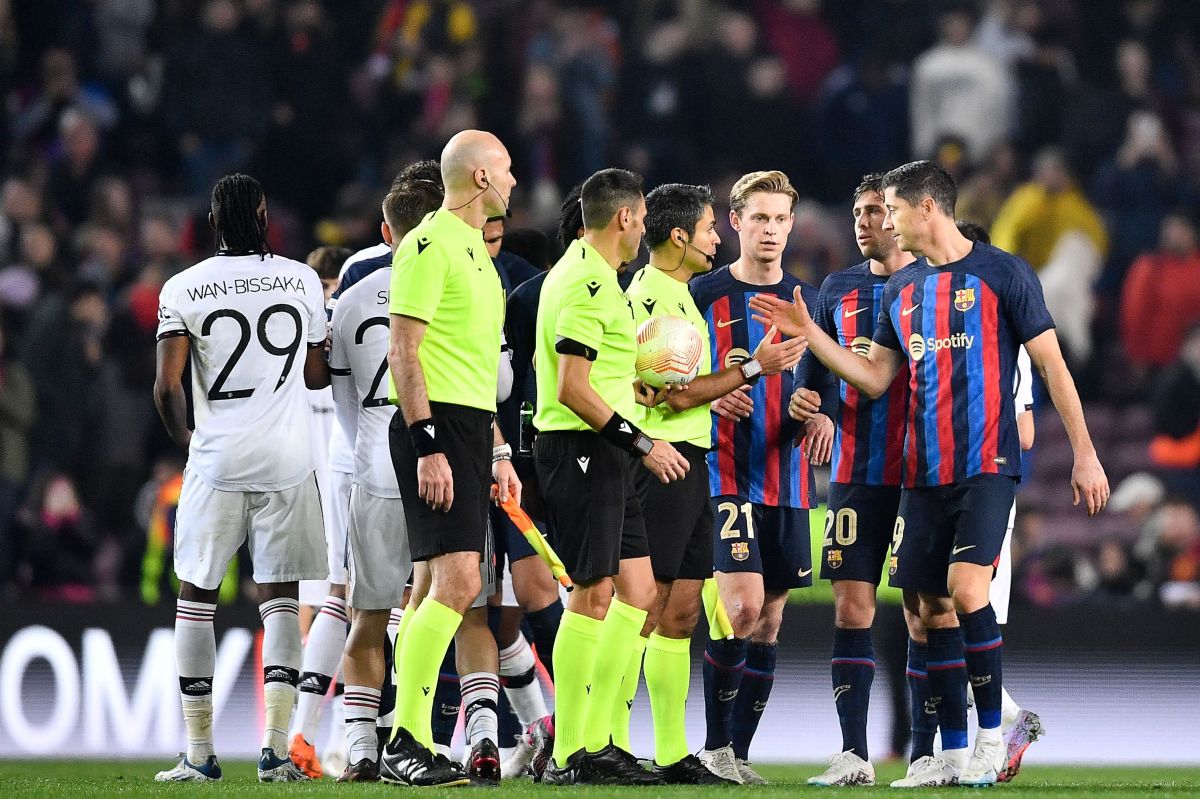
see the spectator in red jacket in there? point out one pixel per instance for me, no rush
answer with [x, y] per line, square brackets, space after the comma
[1161, 297]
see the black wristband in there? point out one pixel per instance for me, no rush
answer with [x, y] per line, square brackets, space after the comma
[625, 435]
[424, 437]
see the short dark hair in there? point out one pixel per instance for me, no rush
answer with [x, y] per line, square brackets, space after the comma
[870, 183]
[327, 261]
[426, 171]
[532, 245]
[674, 205]
[973, 231]
[234, 206]
[570, 216]
[607, 191]
[406, 206]
[917, 180]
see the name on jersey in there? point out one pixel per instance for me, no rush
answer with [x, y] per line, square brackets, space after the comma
[918, 346]
[246, 285]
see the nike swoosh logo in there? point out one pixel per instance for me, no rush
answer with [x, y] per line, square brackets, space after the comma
[908, 311]
[956, 550]
[854, 313]
[804, 572]
[722, 325]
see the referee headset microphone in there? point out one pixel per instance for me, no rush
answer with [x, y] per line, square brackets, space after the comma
[487, 185]
[712, 259]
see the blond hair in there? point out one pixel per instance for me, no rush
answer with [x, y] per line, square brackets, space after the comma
[768, 182]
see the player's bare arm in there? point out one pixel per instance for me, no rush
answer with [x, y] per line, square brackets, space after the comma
[1088, 480]
[774, 357]
[871, 375]
[576, 392]
[434, 479]
[316, 368]
[172, 356]
[507, 482]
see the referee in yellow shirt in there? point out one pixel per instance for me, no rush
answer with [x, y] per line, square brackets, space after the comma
[447, 312]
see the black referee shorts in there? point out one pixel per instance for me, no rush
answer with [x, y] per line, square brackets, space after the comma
[679, 519]
[466, 438]
[593, 507]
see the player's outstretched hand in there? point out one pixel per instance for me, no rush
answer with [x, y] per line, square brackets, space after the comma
[804, 404]
[791, 318]
[507, 482]
[435, 481]
[648, 395]
[736, 405]
[1089, 483]
[775, 356]
[665, 462]
[818, 439]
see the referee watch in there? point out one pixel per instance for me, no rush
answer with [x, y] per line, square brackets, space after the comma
[751, 370]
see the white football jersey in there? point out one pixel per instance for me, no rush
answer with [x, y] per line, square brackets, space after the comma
[1023, 390]
[341, 451]
[358, 361]
[250, 321]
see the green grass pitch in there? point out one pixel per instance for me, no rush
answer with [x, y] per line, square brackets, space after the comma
[81, 779]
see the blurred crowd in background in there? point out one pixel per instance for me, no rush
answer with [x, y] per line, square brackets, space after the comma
[1073, 127]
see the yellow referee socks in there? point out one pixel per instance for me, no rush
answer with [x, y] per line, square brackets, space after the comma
[574, 656]
[624, 704]
[668, 670]
[619, 635]
[419, 654]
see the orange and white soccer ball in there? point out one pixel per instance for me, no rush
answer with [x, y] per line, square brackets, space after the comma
[669, 350]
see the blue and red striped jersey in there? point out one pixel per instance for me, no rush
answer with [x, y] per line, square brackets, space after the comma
[755, 458]
[961, 326]
[868, 442]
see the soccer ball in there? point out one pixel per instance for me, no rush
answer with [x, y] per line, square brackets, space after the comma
[669, 350]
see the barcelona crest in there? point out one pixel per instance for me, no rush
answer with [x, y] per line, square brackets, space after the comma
[964, 299]
[740, 550]
[834, 558]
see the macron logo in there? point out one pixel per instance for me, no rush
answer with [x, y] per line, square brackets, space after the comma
[624, 427]
[431, 431]
[583, 463]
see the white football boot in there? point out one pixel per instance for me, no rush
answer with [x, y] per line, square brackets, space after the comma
[721, 762]
[928, 772]
[845, 768]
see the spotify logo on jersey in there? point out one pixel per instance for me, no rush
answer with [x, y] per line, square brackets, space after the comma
[861, 345]
[916, 346]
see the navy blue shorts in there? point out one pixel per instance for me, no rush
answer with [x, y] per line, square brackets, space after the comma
[959, 523]
[762, 539]
[858, 531]
[510, 542]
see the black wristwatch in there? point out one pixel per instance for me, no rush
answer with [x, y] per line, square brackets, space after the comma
[751, 370]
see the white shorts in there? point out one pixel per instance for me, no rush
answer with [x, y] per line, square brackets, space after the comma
[1002, 582]
[335, 503]
[379, 559]
[508, 596]
[283, 531]
[487, 568]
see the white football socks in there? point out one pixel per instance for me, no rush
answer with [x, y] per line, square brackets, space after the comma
[480, 693]
[281, 669]
[322, 656]
[362, 709]
[195, 661]
[518, 675]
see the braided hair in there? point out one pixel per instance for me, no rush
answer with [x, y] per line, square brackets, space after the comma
[239, 230]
